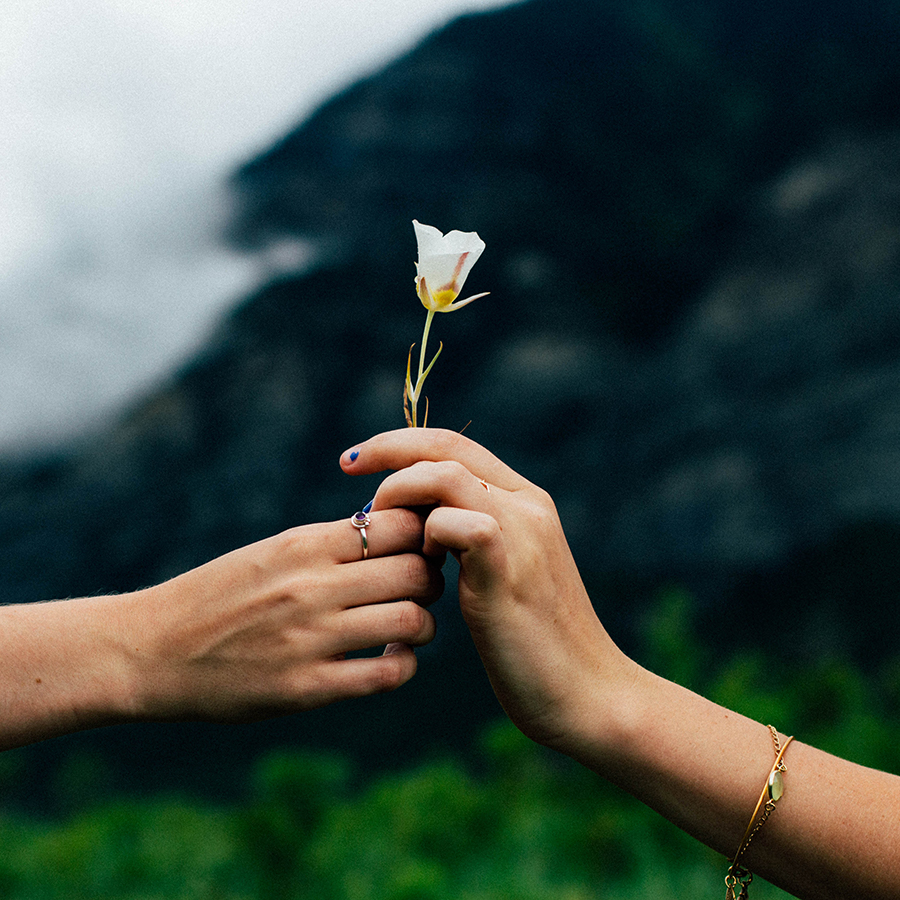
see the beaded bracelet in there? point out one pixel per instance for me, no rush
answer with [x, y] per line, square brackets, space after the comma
[738, 876]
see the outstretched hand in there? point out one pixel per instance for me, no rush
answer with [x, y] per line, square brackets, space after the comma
[266, 629]
[532, 621]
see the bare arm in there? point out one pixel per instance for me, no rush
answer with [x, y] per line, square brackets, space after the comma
[562, 680]
[259, 632]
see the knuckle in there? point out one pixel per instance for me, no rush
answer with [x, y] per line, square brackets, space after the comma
[302, 588]
[423, 578]
[294, 599]
[543, 498]
[292, 543]
[391, 672]
[432, 466]
[408, 522]
[542, 509]
[451, 441]
[483, 530]
[411, 620]
[415, 571]
[452, 473]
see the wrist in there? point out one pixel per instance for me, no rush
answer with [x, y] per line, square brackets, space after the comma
[145, 689]
[608, 716]
[64, 668]
[103, 660]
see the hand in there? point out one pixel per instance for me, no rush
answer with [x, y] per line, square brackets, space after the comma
[264, 630]
[565, 684]
[545, 651]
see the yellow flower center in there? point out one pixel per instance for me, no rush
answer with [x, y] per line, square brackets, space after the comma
[443, 297]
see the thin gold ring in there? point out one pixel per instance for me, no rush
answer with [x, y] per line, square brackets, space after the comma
[484, 484]
[361, 521]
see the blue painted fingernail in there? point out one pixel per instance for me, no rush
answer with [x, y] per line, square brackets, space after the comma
[354, 455]
[368, 507]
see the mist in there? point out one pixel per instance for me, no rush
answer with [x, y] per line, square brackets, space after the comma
[122, 123]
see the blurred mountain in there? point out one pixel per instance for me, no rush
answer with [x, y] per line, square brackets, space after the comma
[692, 338]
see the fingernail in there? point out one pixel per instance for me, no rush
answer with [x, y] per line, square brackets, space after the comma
[354, 454]
[368, 507]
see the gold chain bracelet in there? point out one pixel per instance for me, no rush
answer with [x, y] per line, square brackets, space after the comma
[738, 879]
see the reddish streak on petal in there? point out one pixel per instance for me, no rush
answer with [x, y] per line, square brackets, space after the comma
[459, 264]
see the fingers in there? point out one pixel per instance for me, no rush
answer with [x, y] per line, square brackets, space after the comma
[348, 678]
[477, 539]
[400, 449]
[437, 484]
[402, 621]
[391, 531]
[382, 580]
[399, 626]
[473, 492]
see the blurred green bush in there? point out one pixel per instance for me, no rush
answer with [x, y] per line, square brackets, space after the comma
[514, 822]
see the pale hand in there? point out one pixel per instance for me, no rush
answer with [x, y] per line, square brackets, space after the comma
[544, 648]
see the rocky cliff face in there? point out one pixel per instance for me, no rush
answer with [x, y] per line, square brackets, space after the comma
[692, 338]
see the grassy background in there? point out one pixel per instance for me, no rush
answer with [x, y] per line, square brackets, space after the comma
[509, 820]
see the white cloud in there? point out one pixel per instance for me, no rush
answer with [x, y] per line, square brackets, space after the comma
[121, 120]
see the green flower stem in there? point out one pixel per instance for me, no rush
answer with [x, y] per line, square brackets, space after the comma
[428, 319]
[423, 371]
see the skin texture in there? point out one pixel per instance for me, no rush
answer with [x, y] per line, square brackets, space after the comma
[564, 683]
[262, 631]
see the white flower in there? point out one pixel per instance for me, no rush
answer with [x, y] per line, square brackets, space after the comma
[445, 261]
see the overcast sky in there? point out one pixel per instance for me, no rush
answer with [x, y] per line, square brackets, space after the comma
[120, 121]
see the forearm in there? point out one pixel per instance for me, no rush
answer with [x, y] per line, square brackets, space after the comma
[834, 834]
[268, 629]
[64, 667]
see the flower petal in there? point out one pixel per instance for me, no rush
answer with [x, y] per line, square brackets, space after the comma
[428, 239]
[445, 260]
[459, 304]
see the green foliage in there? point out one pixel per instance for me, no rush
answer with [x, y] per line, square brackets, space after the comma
[525, 824]
[146, 850]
